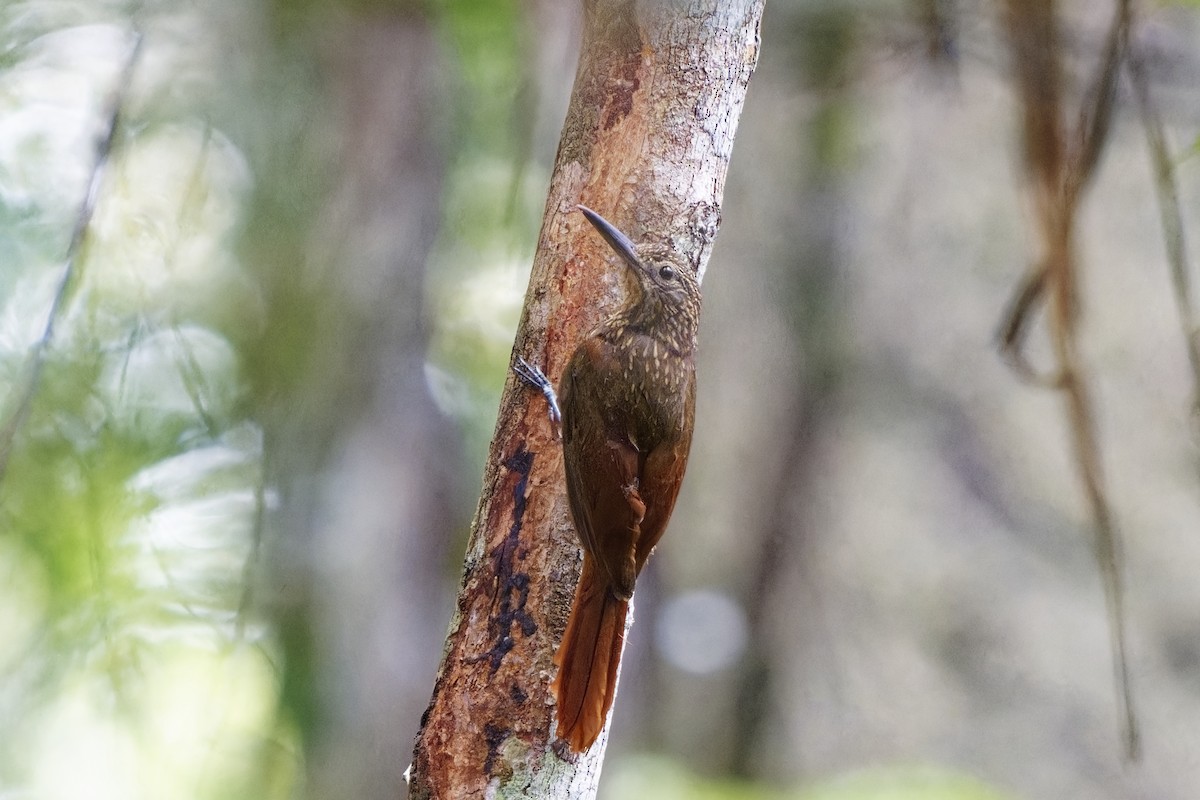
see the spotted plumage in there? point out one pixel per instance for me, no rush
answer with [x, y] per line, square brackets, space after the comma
[628, 408]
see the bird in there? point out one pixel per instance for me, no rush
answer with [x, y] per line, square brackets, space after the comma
[628, 408]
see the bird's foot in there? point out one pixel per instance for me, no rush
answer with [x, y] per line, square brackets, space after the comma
[533, 376]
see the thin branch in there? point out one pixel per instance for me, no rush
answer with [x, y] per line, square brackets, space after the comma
[1095, 116]
[1059, 172]
[1091, 135]
[1167, 189]
[1015, 327]
[37, 360]
[254, 557]
[1107, 538]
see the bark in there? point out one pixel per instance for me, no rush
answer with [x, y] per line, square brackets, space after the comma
[646, 142]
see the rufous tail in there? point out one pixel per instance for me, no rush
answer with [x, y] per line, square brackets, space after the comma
[588, 659]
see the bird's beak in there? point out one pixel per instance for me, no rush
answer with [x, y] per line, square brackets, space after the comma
[617, 240]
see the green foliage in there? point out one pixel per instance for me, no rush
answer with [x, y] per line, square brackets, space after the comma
[128, 506]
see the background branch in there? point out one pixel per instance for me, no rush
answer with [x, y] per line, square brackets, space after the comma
[1059, 171]
[37, 358]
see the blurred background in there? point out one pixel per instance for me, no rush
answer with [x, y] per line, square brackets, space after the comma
[241, 452]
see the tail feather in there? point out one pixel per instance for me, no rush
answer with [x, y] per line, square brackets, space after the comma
[588, 659]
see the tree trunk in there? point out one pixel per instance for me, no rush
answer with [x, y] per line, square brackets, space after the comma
[646, 142]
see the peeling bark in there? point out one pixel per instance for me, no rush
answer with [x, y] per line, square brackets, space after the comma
[646, 142]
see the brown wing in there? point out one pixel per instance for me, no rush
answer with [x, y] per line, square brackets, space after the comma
[602, 464]
[661, 477]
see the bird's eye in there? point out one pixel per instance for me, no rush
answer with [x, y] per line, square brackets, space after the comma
[667, 273]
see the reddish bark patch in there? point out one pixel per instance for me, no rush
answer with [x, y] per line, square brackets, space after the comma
[624, 44]
[619, 90]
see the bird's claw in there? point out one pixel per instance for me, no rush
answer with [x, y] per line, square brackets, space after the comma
[533, 376]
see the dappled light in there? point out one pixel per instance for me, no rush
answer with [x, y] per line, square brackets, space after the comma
[252, 350]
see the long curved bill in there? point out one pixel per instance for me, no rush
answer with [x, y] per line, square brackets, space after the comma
[617, 240]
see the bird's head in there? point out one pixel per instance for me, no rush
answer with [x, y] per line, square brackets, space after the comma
[670, 294]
